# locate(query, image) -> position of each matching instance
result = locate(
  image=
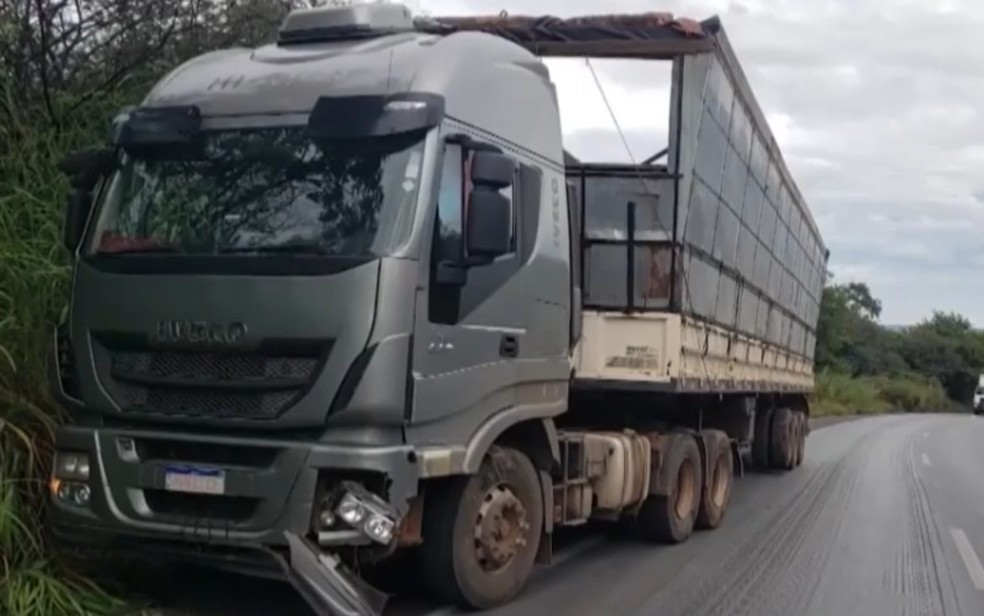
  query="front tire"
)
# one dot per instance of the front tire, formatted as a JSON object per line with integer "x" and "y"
{"x": 482, "y": 533}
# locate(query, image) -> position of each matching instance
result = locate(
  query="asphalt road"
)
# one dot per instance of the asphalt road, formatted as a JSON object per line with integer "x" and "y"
{"x": 885, "y": 517}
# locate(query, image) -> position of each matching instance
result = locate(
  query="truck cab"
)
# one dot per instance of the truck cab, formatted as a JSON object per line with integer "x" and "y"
{"x": 314, "y": 273}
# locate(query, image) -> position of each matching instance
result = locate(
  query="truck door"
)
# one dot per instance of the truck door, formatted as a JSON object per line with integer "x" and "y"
{"x": 471, "y": 322}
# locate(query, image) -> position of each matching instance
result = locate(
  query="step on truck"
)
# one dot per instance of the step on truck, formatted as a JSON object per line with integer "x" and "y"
{"x": 345, "y": 297}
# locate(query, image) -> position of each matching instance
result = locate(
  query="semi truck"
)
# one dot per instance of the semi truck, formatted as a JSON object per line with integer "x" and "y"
{"x": 345, "y": 298}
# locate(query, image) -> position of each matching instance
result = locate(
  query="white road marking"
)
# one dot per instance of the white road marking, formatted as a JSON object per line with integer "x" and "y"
{"x": 973, "y": 564}
{"x": 926, "y": 461}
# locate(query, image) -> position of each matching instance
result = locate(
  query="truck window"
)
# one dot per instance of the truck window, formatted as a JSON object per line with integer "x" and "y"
{"x": 261, "y": 190}
{"x": 449, "y": 303}
{"x": 452, "y": 207}
{"x": 448, "y": 239}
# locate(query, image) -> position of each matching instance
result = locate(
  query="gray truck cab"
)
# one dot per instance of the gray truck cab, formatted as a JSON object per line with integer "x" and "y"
{"x": 320, "y": 271}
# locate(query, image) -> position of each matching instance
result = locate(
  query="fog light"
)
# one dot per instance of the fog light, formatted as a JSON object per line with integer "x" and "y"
{"x": 351, "y": 510}
{"x": 65, "y": 491}
{"x": 379, "y": 528}
{"x": 82, "y": 495}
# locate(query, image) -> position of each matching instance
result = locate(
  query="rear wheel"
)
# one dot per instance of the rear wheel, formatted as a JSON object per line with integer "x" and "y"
{"x": 671, "y": 518}
{"x": 761, "y": 443}
{"x": 782, "y": 441}
{"x": 481, "y": 533}
{"x": 803, "y": 425}
{"x": 716, "y": 493}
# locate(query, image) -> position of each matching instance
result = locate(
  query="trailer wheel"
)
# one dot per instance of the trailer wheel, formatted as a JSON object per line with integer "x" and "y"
{"x": 671, "y": 518}
{"x": 803, "y": 425}
{"x": 782, "y": 450}
{"x": 716, "y": 493}
{"x": 761, "y": 443}
{"x": 481, "y": 533}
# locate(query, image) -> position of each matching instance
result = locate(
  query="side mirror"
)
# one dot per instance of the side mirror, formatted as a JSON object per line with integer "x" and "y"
{"x": 76, "y": 214}
{"x": 85, "y": 167}
{"x": 492, "y": 169}
{"x": 489, "y": 224}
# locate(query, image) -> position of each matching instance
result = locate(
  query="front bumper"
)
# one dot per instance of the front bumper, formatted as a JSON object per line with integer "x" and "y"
{"x": 255, "y": 527}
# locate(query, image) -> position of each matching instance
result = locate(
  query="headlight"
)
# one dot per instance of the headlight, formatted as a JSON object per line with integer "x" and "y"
{"x": 71, "y": 466}
{"x": 367, "y": 513}
{"x": 379, "y": 528}
{"x": 351, "y": 510}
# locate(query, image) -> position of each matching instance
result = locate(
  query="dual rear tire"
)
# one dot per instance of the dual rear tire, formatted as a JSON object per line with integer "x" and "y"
{"x": 780, "y": 438}
{"x": 692, "y": 502}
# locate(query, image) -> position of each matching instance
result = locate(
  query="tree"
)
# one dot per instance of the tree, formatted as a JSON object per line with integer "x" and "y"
{"x": 848, "y": 337}
{"x": 947, "y": 347}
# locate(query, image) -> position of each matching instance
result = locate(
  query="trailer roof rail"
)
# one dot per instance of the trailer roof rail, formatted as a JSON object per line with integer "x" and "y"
{"x": 644, "y": 36}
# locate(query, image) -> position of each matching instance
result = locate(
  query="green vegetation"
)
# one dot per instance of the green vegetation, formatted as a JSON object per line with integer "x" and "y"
{"x": 66, "y": 68}
{"x": 866, "y": 368}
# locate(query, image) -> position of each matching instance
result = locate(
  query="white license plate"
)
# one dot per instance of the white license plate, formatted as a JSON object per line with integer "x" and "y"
{"x": 194, "y": 480}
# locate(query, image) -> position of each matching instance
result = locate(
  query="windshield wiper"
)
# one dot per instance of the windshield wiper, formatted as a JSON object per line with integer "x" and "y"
{"x": 296, "y": 249}
{"x": 136, "y": 250}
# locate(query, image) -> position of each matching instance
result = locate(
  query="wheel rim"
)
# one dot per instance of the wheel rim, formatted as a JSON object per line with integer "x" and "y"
{"x": 719, "y": 487}
{"x": 500, "y": 529}
{"x": 685, "y": 493}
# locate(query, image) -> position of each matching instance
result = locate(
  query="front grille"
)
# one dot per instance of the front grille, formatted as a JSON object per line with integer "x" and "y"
{"x": 211, "y": 366}
{"x": 208, "y": 385}
{"x": 203, "y": 403}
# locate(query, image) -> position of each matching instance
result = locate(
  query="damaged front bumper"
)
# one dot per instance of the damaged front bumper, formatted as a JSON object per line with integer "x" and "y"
{"x": 326, "y": 584}
{"x": 268, "y": 524}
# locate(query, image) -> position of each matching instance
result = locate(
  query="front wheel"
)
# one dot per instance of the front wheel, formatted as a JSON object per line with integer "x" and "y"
{"x": 482, "y": 533}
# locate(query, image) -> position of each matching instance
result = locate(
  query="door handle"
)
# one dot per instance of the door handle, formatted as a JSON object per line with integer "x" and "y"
{"x": 509, "y": 347}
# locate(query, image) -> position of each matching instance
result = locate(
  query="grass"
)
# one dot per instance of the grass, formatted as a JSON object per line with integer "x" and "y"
{"x": 842, "y": 394}
{"x": 33, "y": 292}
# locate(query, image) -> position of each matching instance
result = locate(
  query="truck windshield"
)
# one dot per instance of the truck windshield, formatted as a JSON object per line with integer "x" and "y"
{"x": 264, "y": 191}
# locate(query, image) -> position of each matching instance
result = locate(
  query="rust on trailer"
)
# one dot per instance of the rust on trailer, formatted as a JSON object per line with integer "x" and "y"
{"x": 652, "y": 35}
{"x": 659, "y": 281}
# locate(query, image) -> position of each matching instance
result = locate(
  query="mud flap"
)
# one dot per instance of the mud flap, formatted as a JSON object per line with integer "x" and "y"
{"x": 325, "y": 583}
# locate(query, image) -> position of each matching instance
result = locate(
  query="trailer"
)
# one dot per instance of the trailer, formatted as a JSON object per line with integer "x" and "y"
{"x": 346, "y": 296}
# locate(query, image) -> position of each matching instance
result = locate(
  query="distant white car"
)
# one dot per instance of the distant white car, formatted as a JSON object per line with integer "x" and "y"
{"x": 979, "y": 397}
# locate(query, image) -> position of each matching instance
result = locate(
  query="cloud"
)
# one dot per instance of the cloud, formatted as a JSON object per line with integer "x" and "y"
{"x": 876, "y": 105}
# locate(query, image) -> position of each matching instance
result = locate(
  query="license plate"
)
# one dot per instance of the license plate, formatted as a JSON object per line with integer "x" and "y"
{"x": 194, "y": 480}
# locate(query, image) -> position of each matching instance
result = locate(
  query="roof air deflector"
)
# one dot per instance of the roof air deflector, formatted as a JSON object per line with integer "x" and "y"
{"x": 325, "y": 24}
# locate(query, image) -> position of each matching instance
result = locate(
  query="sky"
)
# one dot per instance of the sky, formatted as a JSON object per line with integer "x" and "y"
{"x": 877, "y": 105}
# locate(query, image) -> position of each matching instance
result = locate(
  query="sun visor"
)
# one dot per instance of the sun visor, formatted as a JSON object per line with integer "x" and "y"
{"x": 354, "y": 117}
{"x": 160, "y": 132}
